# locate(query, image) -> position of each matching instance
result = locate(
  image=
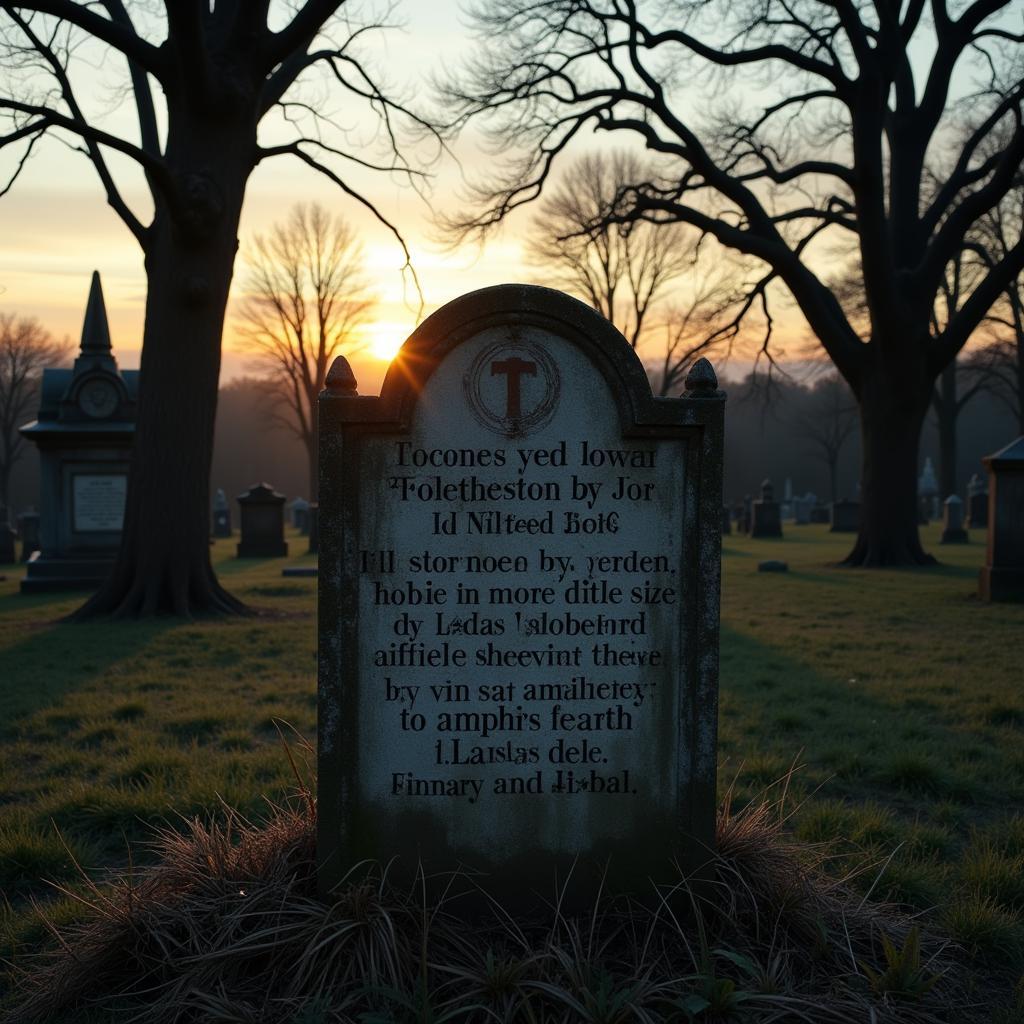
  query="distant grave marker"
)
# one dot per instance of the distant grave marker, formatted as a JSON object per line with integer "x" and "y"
{"x": 261, "y": 523}
{"x": 519, "y": 599}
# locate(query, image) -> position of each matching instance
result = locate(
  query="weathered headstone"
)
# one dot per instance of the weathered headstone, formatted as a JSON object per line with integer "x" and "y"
{"x": 977, "y": 503}
{"x": 767, "y": 517}
{"x": 261, "y": 523}
{"x": 953, "y": 531}
{"x": 221, "y": 515}
{"x": 28, "y": 528}
{"x": 299, "y": 510}
{"x": 845, "y": 516}
{"x": 518, "y": 604}
{"x": 1002, "y": 576}
{"x": 84, "y": 432}
{"x": 8, "y": 552}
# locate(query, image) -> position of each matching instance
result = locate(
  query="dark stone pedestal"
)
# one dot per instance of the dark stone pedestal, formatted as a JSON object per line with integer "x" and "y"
{"x": 47, "y": 575}
{"x": 261, "y": 523}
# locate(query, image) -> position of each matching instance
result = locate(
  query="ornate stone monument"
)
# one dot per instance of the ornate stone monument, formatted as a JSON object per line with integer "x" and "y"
{"x": 84, "y": 432}
{"x": 261, "y": 523}
{"x": 1002, "y": 576}
{"x": 518, "y": 605}
{"x": 766, "y": 518}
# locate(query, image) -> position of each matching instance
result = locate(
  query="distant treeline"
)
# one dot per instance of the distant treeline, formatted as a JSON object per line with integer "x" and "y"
{"x": 767, "y": 435}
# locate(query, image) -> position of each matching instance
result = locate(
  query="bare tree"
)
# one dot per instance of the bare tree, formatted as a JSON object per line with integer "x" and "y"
{"x": 827, "y": 144}
{"x": 306, "y": 297}
{"x": 26, "y": 349}
{"x": 827, "y": 423}
{"x": 203, "y": 78}
{"x": 621, "y": 270}
{"x": 999, "y": 365}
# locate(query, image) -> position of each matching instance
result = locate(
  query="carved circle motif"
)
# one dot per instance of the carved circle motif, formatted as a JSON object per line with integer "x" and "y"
{"x": 512, "y": 387}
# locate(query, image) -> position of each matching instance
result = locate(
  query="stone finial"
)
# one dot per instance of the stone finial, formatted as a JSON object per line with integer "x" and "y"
{"x": 340, "y": 378}
{"x": 95, "y": 329}
{"x": 701, "y": 381}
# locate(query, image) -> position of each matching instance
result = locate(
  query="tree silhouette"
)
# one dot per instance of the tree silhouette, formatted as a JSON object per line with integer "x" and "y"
{"x": 203, "y": 78}
{"x": 827, "y": 145}
{"x": 26, "y": 349}
{"x": 621, "y": 273}
{"x": 306, "y": 297}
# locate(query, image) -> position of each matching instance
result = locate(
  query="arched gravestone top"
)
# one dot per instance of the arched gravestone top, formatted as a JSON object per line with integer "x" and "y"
{"x": 518, "y": 608}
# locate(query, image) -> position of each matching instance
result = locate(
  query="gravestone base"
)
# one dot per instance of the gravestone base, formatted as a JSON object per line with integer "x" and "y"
{"x": 262, "y": 549}
{"x": 954, "y": 535}
{"x": 998, "y": 584}
{"x": 47, "y": 575}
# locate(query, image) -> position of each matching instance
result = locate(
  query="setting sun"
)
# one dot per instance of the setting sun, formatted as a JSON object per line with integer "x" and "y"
{"x": 385, "y": 339}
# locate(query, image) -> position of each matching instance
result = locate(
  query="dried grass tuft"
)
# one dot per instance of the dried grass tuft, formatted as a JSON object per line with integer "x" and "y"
{"x": 226, "y": 926}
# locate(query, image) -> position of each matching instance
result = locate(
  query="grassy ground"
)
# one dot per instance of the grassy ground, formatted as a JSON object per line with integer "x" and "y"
{"x": 898, "y": 695}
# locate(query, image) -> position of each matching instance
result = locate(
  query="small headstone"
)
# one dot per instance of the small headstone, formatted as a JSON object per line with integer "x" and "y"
{"x": 518, "y": 606}
{"x": 953, "y": 531}
{"x": 977, "y": 503}
{"x": 802, "y": 509}
{"x": 726, "y": 520}
{"x": 845, "y": 516}
{"x": 1002, "y": 576}
{"x": 8, "y": 554}
{"x": 300, "y": 570}
{"x": 299, "y": 510}
{"x": 772, "y": 565}
{"x": 261, "y": 523}
{"x": 221, "y": 515}
{"x": 767, "y": 519}
{"x": 28, "y": 527}
{"x": 820, "y": 514}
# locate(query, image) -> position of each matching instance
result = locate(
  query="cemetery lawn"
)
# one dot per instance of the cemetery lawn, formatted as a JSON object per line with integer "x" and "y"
{"x": 895, "y": 696}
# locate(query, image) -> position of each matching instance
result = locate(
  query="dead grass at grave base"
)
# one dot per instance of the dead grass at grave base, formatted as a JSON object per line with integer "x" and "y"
{"x": 227, "y": 927}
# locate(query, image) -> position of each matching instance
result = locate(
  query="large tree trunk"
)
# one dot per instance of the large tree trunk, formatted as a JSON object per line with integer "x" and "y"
{"x": 893, "y": 403}
{"x": 164, "y": 560}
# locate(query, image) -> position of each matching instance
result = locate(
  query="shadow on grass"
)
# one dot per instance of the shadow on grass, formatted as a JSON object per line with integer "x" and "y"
{"x": 55, "y": 658}
{"x": 774, "y": 708}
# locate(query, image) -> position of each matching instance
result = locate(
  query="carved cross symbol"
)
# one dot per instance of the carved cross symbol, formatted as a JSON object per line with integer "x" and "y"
{"x": 513, "y": 369}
